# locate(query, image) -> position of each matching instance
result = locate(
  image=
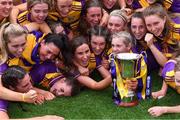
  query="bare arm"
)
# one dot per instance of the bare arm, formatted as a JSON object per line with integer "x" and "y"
{"x": 15, "y": 12}
{"x": 46, "y": 117}
{"x": 160, "y": 58}
{"x": 4, "y": 115}
{"x": 47, "y": 95}
{"x": 104, "y": 72}
{"x": 43, "y": 27}
{"x": 104, "y": 18}
{"x": 160, "y": 110}
{"x": 92, "y": 84}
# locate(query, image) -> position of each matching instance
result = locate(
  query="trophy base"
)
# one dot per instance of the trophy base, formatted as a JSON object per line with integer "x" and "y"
{"x": 128, "y": 104}
{"x": 129, "y": 101}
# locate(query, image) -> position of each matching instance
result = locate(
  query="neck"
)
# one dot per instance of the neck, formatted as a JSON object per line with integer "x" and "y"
{"x": 1, "y": 18}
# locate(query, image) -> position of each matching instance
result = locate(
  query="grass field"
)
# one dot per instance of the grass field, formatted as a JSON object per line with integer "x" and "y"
{"x": 96, "y": 105}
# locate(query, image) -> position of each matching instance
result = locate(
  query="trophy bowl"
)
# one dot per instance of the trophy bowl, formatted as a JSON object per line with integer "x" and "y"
{"x": 128, "y": 64}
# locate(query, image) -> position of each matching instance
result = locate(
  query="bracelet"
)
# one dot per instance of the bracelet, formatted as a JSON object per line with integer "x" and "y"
{"x": 23, "y": 97}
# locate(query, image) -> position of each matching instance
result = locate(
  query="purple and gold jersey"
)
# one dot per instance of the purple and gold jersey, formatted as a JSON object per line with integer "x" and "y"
{"x": 45, "y": 74}
{"x": 24, "y": 18}
{"x": 172, "y": 5}
{"x": 72, "y": 20}
{"x": 168, "y": 74}
{"x": 167, "y": 3}
{"x": 17, "y": 2}
{"x": 95, "y": 61}
{"x": 139, "y": 4}
{"x": 30, "y": 54}
{"x": 11, "y": 61}
{"x": 175, "y": 28}
{"x": 168, "y": 69}
{"x": 169, "y": 41}
{"x": 3, "y": 105}
{"x": 141, "y": 47}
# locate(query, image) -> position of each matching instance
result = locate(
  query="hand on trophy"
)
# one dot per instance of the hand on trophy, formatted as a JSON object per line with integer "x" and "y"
{"x": 132, "y": 84}
{"x": 149, "y": 38}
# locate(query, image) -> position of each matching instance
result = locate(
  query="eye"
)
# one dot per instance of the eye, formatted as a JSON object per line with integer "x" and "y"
{"x": 110, "y": 24}
{"x": 62, "y": 90}
{"x": 37, "y": 11}
{"x": 87, "y": 51}
{"x": 118, "y": 25}
{"x": 156, "y": 23}
{"x": 133, "y": 27}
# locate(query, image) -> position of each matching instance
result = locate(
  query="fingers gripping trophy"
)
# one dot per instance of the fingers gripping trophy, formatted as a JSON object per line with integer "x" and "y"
{"x": 124, "y": 68}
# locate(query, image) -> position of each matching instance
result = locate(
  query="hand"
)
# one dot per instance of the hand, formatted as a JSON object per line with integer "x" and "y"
{"x": 83, "y": 70}
{"x": 132, "y": 84}
{"x": 48, "y": 95}
{"x": 40, "y": 99}
{"x": 157, "y": 111}
{"x": 105, "y": 63}
{"x": 149, "y": 38}
{"x": 59, "y": 64}
{"x": 159, "y": 94}
{"x": 104, "y": 19}
{"x": 103, "y": 22}
{"x": 59, "y": 29}
{"x": 128, "y": 11}
{"x": 30, "y": 96}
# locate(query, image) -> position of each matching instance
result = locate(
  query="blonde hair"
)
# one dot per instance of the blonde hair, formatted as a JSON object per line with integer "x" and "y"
{"x": 31, "y": 3}
{"x": 121, "y": 14}
{"x": 128, "y": 39}
{"x": 8, "y": 30}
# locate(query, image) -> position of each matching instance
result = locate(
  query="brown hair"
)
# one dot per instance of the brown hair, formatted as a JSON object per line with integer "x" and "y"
{"x": 157, "y": 9}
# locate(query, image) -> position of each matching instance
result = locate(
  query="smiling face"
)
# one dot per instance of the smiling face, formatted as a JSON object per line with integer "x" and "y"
{"x": 93, "y": 16}
{"x": 64, "y": 7}
{"x": 60, "y": 88}
{"x": 118, "y": 45}
{"x": 39, "y": 12}
{"x": 155, "y": 24}
{"x": 16, "y": 45}
{"x": 138, "y": 28}
{"x": 109, "y": 3}
{"x": 115, "y": 24}
{"x": 5, "y": 8}
{"x": 48, "y": 51}
{"x": 98, "y": 44}
{"x": 82, "y": 55}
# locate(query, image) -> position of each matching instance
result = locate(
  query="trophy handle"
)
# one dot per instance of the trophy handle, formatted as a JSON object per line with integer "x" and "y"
{"x": 137, "y": 62}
